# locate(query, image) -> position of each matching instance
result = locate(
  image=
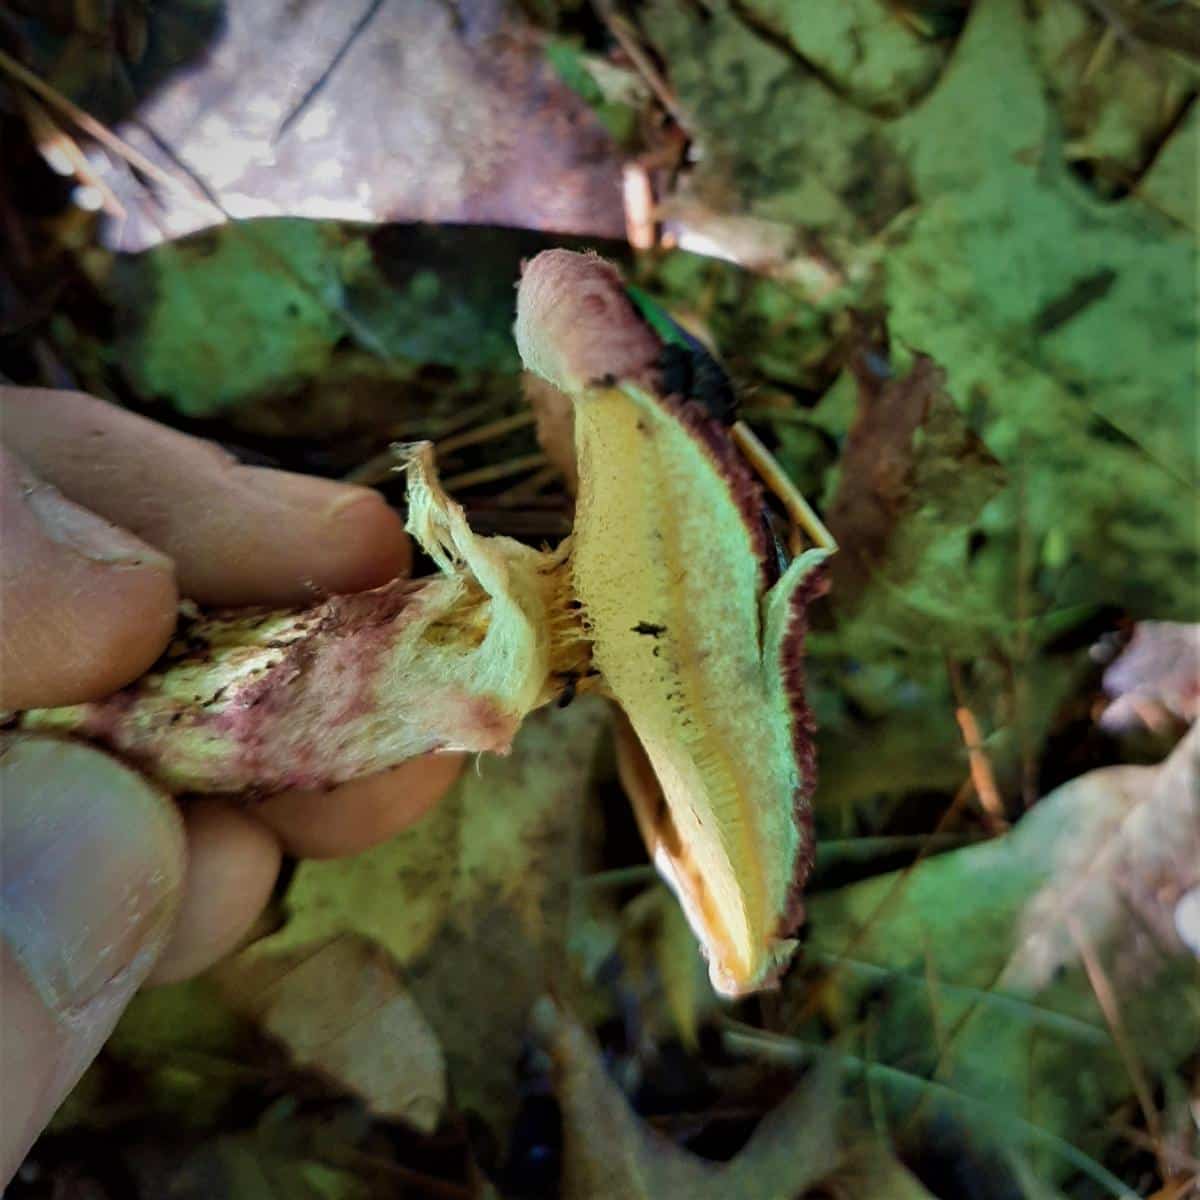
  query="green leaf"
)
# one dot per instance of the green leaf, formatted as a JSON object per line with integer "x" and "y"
{"x": 979, "y": 969}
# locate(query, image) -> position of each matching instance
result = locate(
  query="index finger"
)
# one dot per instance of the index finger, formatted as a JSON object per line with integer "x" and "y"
{"x": 239, "y": 535}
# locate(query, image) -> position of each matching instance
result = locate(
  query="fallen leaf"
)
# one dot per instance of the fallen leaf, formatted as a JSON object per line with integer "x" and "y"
{"x": 774, "y": 139}
{"x": 1169, "y": 184}
{"x": 297, "y": 328}
{"x": 863, "y": 50}
{"x": 1061, "y": 322}
{"x": 1156, "y": 678}
{"x": 341, "y": 1008}
{"x": 1117, "y": 95}
{"x": 280, "y": 117}
{"x": 472, "y": 902}
{"x": 1060, "y": 319}
{"x": 976, "y": 972}
{"x": 610, "y": 1154}
{"x": 912, "y": 474}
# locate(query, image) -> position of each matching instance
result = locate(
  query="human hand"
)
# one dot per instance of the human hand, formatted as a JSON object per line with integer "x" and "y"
{"x": 106, "y": 519}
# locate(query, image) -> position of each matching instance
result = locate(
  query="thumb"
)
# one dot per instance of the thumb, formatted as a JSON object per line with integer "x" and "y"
{"x": 91, "y": 864}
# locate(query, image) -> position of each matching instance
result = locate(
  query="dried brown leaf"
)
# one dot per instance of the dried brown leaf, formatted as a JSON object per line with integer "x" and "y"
{"x": 286, "y": 115}
{"x": 342, "y": 1008}
{"x": 909, "y": 452}
{"x": 611, "y": 1155}
{"x": 473, "y": 901}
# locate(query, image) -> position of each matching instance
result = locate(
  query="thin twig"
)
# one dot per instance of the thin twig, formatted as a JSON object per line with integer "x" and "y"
{"x": 627, "y": 40}
{"x": 982, "y": 777}
{"x": 49, "y": 138}
{"x": 484, "y": 433}
{"x": 773, "y": 475}
{"x": 1106, "y": 998}
{"x": 641, "y": 228}
{"x": 92, "y": 127}
{"x": 379, "y": 468}
{"x": 500, "y": 470}
{"x": 981, "y": 772}
{"x": 1122, "y": 32}
{"x": 466, "y": 416}
{"x": 1180, "y": 1160}
{"x": 1024, "y": 651}
{"x": 527, "y": 489}
{"x": 1100, "y": 55}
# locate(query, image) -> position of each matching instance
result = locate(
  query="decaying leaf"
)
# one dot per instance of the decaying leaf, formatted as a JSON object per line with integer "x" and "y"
{"x": 775, "y": 140}
{"x": 1119, "y": 81}
{"x": 1038, "y": 300}
{"x": 1156, "y": 680}
{"x": 371, "y": 1038}
{"x": 863, "y": 50}
{"x": 611, "y": 1155}
{"x": 263, "y": 701}
{"x": 311, "y": 330}
{"x": 693, "y": 625}
{"x": 489, "y": 137}
{"x": 471, "y": 903}
{"x": 911, "y": 473}
{"x": 1043, "y": 967}
{"x": 1060, "y": 320}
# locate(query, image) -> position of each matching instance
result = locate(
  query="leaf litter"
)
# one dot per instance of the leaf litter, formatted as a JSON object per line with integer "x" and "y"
{"x": 1031, "y": 245}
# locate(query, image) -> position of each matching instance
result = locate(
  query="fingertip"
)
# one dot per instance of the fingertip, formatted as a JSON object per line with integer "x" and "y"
{"x": 300, "y": 536}
{"x": 233, "y": 862}
{"x": 363, "y": 544}
{"x": 358, "y": 815}
{"x": 238, "y": 535}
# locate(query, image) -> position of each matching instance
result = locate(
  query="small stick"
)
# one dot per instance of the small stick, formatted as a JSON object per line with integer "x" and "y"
{"x": 484, "y": 433}
{"x": 981, "y": 771}
{"x": 465, "y": 416}
{"x": 772, "y": 474}
{"x": 625, "y": 38}
{"x": 91, "y": 126}
{"x": 1106, "y": 998}
{"x": 527, "y": 488}
{"x": 50, "y": 139}
{"x": 638, "y": 194}
{"x": 501, "y": 470}
{"x": 378, "y": 468}
{"x": 982, "y": 777}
